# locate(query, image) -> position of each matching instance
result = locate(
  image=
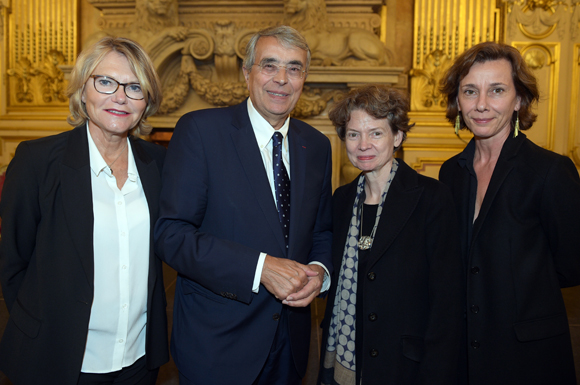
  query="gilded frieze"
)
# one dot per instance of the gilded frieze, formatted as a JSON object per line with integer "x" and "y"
{"x": 42, "y": 44}
{"x": 443, "y": 30}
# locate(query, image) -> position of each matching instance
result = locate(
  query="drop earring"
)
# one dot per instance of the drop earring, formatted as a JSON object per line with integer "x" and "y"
{"x": 457, "y": 124}
{"x": 517, "y": 125}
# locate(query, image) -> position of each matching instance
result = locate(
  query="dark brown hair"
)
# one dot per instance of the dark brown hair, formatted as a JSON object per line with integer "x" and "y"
{"x": 523, "y": 78}
{"x": 377, "y": 100}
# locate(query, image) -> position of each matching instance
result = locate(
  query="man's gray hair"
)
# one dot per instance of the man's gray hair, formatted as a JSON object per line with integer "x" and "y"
{"x": 288, "y": 37}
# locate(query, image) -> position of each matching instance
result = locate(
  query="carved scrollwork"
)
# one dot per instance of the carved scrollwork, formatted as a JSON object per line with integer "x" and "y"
{"x": 52, "y": 86}
{"x": 217, "y": 94}
{"x": 23, "y": 72}
{"x": 435, "y": 65}
{"x": 313, "y": 101}
{"x": 53, "y": 77}
{"x": 535, "y": 59}
{"x": 242, "y": 40}
{"x": 537, "y": 19}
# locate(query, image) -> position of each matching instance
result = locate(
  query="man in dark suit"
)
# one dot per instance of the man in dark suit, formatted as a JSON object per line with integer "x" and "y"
{"x": 247, "y": 274}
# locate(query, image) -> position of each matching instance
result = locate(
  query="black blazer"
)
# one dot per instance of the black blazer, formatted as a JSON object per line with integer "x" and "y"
{"x": 412, "y": 288}
{"x": 525, "y": 246}
{"x": 46, "y": 258}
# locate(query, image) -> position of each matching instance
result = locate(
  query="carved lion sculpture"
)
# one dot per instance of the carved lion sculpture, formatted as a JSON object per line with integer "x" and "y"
{"x": 333, "y": 46}
{"x": 156, "y": 15}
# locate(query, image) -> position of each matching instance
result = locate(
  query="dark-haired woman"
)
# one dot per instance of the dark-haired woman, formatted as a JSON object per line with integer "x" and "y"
{"x": 519, "y": 210}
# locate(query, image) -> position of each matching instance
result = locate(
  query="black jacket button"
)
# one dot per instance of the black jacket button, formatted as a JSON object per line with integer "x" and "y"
{"x": 474, "y": 309}
{"x": 372, "y": 317}
{"x": 475, "y": 270}
{"x": 475, "y": 344}
{"x": 372, "y": 276}
{"x": 276, "y": 317}
{"x": 374, "y": 352}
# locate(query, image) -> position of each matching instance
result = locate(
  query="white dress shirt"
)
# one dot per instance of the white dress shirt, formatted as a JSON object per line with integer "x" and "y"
{"x": 117, "y": 325}
{"x": 264, "y": 132}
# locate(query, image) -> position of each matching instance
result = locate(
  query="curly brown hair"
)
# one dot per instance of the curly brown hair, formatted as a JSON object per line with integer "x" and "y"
{"x": 377, "y": 100}
{"x": 524, "y": 80}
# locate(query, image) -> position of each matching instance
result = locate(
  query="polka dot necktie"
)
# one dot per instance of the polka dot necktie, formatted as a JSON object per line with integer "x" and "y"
{"x": 281, "y": 185}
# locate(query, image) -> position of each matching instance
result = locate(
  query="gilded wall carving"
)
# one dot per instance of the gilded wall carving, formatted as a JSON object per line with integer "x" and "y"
{"x": 42, "y": 41}
{"x": 444, "y": 29}
{"x": 197, "y": 48}
{"x": 205, "y": 55}
{"x": 547, "y": 33}
{"x": 348, "y": 46}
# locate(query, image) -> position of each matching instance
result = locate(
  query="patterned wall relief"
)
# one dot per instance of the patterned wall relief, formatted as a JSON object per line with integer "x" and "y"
{"x": 199, "y": 55}
{"x": 443, "y": 30}
{"x": 41, "y": 46}
{"x": 538, "y": 19}
{"x": 544, "y": 59}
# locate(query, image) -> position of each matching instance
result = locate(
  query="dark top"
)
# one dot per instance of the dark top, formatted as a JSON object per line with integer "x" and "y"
{"x": 521, "y": 250}
{"x": 47, "y": 258}
{"x": 409, "y": 283}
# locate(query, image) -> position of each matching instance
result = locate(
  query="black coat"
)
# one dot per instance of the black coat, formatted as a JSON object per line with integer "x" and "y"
{"x": 412, "y": 291}
{"x": 525, "y": 246}
{"x": 46, "y": 258}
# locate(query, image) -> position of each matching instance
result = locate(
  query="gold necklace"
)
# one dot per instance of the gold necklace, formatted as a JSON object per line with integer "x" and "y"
{"x": 117, "y": 158}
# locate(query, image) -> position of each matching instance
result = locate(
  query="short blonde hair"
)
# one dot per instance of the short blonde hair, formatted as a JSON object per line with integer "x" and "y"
{"x": 140, "y": 64}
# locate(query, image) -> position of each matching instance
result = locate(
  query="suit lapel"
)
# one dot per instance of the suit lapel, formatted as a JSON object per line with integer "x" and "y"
{"x": 77, "y": 196}
{"x": 246, "y": 146}
{"x": 297, "y": 179}
{"x": 503, "y": 167}
{"x": 151, "y": 182}
{"x": 400, "y": 203}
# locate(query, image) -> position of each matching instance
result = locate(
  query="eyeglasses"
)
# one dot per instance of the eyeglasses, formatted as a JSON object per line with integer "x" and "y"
{"x": 107, "y": 85}
{"x": 293, "y": 71}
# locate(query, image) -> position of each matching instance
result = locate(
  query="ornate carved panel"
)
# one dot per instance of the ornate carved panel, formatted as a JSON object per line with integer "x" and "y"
{"x": 544, "y": 59}
{"x": 444, "y": 29}
{"x": 41, "y": 44}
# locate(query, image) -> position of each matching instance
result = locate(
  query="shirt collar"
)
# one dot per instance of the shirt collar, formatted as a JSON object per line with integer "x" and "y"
{"x": 99, "y": 165}
{"x": 262, "y": 129}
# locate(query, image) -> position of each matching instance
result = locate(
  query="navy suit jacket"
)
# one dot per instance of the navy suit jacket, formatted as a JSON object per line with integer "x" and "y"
{"x": 217, "y": 214}
{"x": 47, "y": 259}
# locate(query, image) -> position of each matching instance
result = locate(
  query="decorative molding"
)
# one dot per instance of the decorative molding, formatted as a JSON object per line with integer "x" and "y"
{"x": 426, "y": 90}
{"x": 42, "y": 40}
{"x": 442, "y": 32}
{"x": 545, "y": 57}
{"x": 538, "y": 19}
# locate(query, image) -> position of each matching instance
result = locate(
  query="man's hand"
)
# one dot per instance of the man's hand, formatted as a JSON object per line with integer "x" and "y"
{"x": 303, "y": 297}
{"x": 283, "y": 277}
